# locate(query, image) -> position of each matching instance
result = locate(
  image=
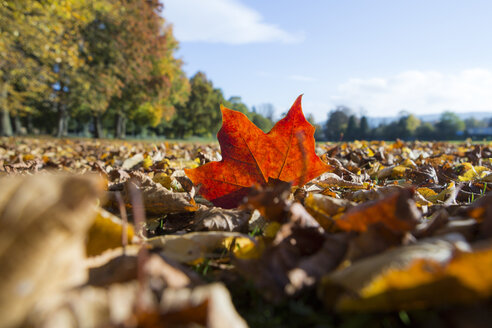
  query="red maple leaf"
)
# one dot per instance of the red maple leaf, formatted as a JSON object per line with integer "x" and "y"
{"x": 249, "y": 156}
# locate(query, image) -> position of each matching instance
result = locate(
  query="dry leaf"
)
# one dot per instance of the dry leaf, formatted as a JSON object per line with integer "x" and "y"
{"x": 253, "y": 157}
{"x": 43, "y": 222}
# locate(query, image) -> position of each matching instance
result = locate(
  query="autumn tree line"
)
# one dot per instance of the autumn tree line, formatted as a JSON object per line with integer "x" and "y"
{"x": 343, "y": 125}
{"x": 100, "y": 67}
{"x": 108, "y": 68}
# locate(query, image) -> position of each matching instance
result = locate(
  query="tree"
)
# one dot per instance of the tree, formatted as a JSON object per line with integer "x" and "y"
{"x": 425, "y": 131}
{"x": 29, "y": 34}
{"x": 472, "y": 122}
{"x": 352, "y": 132}
{"x": 267, "y": 110}
{"x": 448, "y": 126}
{"x": 364, "y": 130}
{"x": 262, "y": 122}
{"x": 236, "y": 103}
{"x": 153, "y": 83}
{"x": 318, "y": 132}
{"x": 407, "y": 125}
{"x": 200, "y": 116}
{"x": 336, "y": 124}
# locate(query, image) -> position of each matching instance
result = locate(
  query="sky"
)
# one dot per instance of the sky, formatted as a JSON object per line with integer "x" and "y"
{"x": 376, "y": 57}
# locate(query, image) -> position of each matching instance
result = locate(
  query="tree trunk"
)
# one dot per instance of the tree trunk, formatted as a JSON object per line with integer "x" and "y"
{"x": 5, "y": 126}
{"x": 62, "y": 121}
{"x": 97, "y": 126}
{"x": 29, "y": 125}
{"x": 120, "y": 126}
{"x": 18, "y": 130}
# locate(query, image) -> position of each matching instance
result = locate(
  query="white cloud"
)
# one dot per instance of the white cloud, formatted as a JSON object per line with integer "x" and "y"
{"x": 222, "y": 21}
{"x": 302, "y": 78}
{"x": 419, "y": 92}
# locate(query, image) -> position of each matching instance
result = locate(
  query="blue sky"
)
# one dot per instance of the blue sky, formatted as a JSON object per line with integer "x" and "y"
{"x": 377, "y": 57}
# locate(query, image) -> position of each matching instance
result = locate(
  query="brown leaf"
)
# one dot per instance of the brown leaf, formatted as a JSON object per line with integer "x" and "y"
{"x": 298, "y": 256}
{"x": 357, "y": 288}
{"x": 157, "y": 199}
{"x": 43, "y": 223}
{"x": 323, "y": 208}
{"x": 220, "y": 219}
{"x": 481, "y": 210}
{"x": 193, "y": 246}
{"x": 397, "y": 211}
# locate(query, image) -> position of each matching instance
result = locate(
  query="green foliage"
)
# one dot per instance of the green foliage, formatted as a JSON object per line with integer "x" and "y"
{"x": 201, "y": 116}
{"x": 343, "y": 126}
{"x": 85, "y": 58}
{"x": 353, "y": 127}
{"x": 336, "y": 125}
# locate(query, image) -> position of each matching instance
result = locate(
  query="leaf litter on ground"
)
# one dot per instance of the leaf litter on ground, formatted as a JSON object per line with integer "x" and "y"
{"x": 395, "y": 233}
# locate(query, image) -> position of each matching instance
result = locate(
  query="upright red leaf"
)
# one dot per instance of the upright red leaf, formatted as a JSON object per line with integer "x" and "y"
{"x": 249, "y": 156}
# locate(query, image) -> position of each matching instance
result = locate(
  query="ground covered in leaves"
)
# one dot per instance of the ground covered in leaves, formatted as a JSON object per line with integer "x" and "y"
{"x": 114, "y": 234}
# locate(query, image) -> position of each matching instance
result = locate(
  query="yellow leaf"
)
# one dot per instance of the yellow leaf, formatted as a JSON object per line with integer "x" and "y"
{"x": 245, "y": 248}
{"x": 398, "y": 171}
{"x": 106, "y": 233}
{"x": 472, "y": 172}
{"x": 163, "y": 179}
{"x": 271, "y": 229}
{"x": 28, "y": 157}
{"x": 147, "y": 162}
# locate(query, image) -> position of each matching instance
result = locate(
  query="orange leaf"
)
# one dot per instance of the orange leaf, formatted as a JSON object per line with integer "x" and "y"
{"x": 397, "y": 211}
{"x": 249, "y": 156}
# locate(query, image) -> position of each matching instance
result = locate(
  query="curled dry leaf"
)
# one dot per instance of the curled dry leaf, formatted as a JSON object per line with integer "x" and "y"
{"x": 207, "y": 306}
{"x": 323, "y": 208}
{"x": 344, "y": 287}
{"x": 43, "y": 222}
{"x": 118, "y": 266}
{"x": 443, "y": 276}
{"x": 157, "y": 199}
{"x": 252, "y": 157}
{"x": 123, "y": 302}
{"x": 220, "y": 219}
{"x": 133, "y": 161}
{"x": 397, "y": 211}
{"x": 328, "y": 180}
{"x": 192, "y": 246}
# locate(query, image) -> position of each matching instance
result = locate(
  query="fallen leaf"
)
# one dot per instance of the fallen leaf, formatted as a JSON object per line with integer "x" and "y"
{"x": 324, "y": 208}
{"x": 43, "y": 222}
{"x": 157, "y": 199}
{"x": 252, "y": 157}
{"x": 481, "y": 210}
{"x": 106, "y": 232}
{"x": 298, "y": 256}
{"x": 220, "y": 219}
{"x": 364, "y": 285}
{"x": 133, "y": 161}
{"x": 192, "y": 246}
{"x": 206, "y": 306}
{"x": 397, "y": 211}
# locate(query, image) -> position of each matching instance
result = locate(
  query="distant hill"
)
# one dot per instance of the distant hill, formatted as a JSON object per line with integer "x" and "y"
{"x": 375, "y": 121}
